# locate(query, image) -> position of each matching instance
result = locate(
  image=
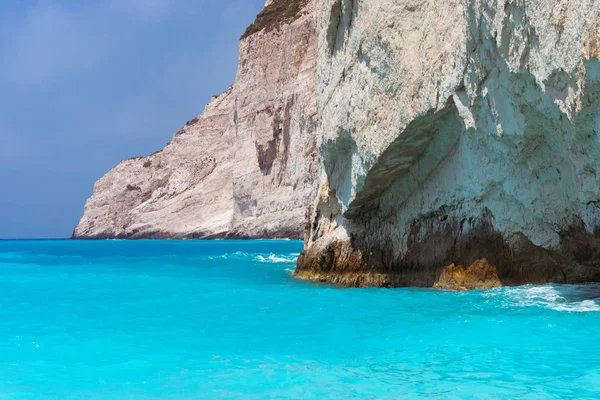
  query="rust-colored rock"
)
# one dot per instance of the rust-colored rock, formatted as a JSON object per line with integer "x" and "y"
{"x": 480, "y": 275}
{"x": 333, "y": 259}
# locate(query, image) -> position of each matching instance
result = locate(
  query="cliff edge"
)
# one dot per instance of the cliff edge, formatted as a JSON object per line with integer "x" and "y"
{"x": 453, "y": 131}
{"x": 246, "y": 167}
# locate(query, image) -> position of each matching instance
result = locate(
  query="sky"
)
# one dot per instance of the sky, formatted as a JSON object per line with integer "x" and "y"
{"x": 87, "y": 83}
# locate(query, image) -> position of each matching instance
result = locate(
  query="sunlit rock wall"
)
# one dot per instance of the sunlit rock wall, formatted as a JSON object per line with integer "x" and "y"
{"x": 453, "y": 131}
{"x": 246, "y": 167}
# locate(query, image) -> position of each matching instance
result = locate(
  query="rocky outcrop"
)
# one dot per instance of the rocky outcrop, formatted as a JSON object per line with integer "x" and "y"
{"x": 453, "y": 131}
{"x": 481, "y": 275}
{"x": 440, "y": 132}
{"x": 246, "y": 167}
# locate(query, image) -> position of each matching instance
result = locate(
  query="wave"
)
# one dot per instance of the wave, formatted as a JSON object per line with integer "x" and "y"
{"x": 273, "y": 258}
{"x": 564, "y": 298}
{"x": 263, "y": 258}
{"x": 238, "y": 255}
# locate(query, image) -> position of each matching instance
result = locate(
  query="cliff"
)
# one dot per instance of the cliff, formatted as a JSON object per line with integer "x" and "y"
{"x": 453, "y": 131}
{"x": 246, "y": 167}
{"x": 418, "y": 137}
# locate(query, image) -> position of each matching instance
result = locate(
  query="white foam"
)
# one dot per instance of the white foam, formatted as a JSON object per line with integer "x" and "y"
{"x": 564, "y": 298}
{"x": 584, "y": 306}
{"x": 238, "y": 255}
{"x": 272, "y": 258}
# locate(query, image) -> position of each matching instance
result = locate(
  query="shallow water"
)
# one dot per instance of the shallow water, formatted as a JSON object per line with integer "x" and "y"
{"x": 190, "y": 320}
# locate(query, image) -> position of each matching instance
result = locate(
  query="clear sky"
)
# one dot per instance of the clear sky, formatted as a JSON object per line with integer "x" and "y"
{"x": 86, "y": 83}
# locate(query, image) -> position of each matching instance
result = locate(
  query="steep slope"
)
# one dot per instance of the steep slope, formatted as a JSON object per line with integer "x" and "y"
{"x": 453, "y": 131}
{"x": 246, "y": 167}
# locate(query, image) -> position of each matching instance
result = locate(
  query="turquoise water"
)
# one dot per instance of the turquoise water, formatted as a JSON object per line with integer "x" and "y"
{"x": 202, "y": 320}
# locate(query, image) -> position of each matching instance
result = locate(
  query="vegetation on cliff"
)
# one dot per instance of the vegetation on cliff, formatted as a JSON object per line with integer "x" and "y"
{"x": 275, "y": 15}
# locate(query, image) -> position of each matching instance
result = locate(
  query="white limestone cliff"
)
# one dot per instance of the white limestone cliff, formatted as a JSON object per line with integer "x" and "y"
{"x": 436, "y": 133}
{"x": 453, "y": 131}
{"x": 246, "y": 167}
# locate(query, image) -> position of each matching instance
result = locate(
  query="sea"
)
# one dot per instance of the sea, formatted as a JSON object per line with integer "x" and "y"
{"x": 228, "y": 320}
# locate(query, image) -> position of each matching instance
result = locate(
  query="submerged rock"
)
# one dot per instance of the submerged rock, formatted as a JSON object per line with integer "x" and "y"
{"x": 480, "y": 275}
{"x": 246, "y": 167}
{"x": 474, "y": 135}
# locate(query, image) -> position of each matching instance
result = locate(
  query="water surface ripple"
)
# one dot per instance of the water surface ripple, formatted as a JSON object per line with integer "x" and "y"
{"x": 202, "y": 320}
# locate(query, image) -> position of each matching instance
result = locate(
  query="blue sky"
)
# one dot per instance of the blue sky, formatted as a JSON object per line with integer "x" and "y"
{"x": 84, "y": 84}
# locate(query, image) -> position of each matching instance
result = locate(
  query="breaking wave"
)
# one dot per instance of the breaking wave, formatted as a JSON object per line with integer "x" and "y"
{"x": 280, "y": 258}
{"x": 263, "y": 258}
{"x": 566, "y": 298}
{"x": 238, "y": 255}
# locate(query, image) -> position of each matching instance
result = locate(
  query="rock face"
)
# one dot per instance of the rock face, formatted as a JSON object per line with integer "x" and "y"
{"x": 480, "y": 275}
{"x": 453, "y": 131}
{"x": 246, "y": 167}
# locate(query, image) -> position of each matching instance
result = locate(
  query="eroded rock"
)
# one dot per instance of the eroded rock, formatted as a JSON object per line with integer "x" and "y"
{"x": 480, "y": 275}
{"x": 474, "y": 135}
